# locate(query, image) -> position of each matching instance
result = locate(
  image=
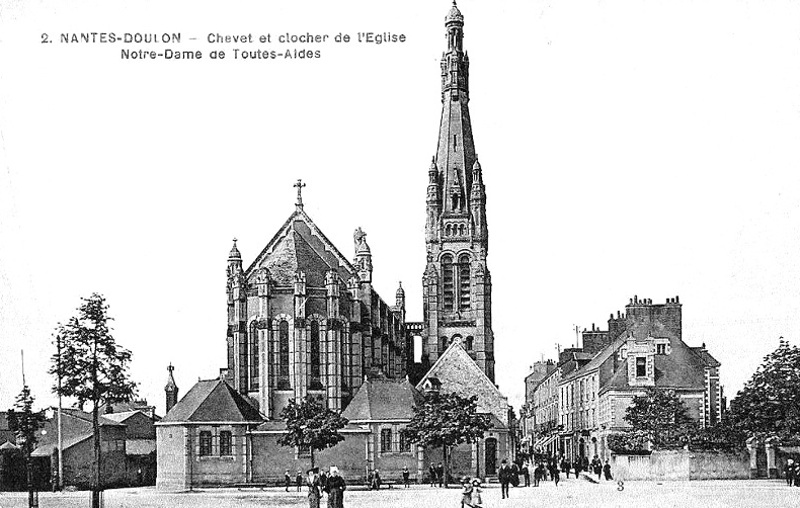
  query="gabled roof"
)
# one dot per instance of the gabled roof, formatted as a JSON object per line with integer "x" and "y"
{"x": 212, "y": 401}
{"x": 300, "y": 245}
{"x": 598, "y": 359}
{"x": 706, "y": 356}
{"x": 459, "y": 373}
{"x": 121, "y": 417}
{"x": 87, "y": 417}
{"x": 383, "y": 399}
{"x": 46, "y": 449}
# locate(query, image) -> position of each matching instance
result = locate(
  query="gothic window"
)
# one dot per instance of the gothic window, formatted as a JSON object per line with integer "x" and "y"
{"x": 448, "y": 276}
{"x": 448, "y": 230}
{"x": 205, "y": 443}
{"x": 641, "y": 366}
{"x": 386, "y": 440}
{"x": 314, "y": 382}
{"x": 225, "y": 443}
{"x": 253, "y": 349}
{"x": 442, "y": 344}
{"x": 463, "y": 281}
{"x": 244, "y": 357}
{"x": 283, "y": 356}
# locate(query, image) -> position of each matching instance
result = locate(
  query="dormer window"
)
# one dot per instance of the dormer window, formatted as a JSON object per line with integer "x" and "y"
{"x": 661, "y": 349}
{"x": 641, "y": 366}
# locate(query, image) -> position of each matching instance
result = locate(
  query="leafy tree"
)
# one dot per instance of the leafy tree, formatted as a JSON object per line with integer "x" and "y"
{"x": 446, "y": 420}
{"x": 310, "y": 425}
{"x": 661, "y": 417}
{"x": 769, "y": 403}
{"x": 92, "y": 368}
{"x": 25, "y": 422}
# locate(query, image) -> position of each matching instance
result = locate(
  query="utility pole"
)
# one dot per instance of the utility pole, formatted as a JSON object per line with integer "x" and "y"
{"x": 60, "y": 480}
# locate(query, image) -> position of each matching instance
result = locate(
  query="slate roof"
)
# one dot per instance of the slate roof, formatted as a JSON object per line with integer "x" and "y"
{"x": 212, "y": 401}
{"x": 87, "y": 417}
{"x": 120, "y": 417}
{"x": 706, "y": 356}
{"x": 46, "y": 450}
{"x": 300, "y": 245}
{"x": 383, "y": 399}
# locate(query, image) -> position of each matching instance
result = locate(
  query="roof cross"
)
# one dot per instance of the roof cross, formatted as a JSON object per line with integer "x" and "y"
{"x": 299, "y": 186}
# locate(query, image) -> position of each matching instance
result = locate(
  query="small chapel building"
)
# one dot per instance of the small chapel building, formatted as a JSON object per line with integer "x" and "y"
{"x": 304, "y": 320}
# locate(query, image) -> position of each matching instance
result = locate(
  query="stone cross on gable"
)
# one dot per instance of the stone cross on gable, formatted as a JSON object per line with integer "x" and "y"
{"x": 299, "y": 186}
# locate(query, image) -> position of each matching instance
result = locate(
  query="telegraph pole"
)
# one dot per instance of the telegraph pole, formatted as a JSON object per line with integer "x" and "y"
{"x": 60, "y": 484}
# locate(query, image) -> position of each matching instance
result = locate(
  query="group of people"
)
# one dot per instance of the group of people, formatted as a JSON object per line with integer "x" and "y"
{"x": 791, "y": 472}
{"x": 436, "y": 474}
{"x": 331, "y": 483}
{"x": 471, "y": 493}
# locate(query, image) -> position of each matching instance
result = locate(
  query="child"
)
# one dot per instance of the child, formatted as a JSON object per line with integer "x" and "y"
{"x": 477, "y": 502}
{"x": 466, "y": 494}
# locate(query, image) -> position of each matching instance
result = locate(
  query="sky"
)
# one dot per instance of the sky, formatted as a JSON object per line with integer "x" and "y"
{"x": 628, "y": 148}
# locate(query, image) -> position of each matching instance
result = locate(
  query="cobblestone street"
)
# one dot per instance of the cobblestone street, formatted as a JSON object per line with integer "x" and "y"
{"x": 575, "y": 494}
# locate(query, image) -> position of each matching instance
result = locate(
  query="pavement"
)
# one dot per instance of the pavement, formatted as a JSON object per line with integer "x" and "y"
{"x": 570, "y": 493}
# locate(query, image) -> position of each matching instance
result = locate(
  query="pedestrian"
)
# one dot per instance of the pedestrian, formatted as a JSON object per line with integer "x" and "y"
{"x": 432, "y": 473}
{"x": 440, "y": 474}
{"x": 537, "y": 474}
{"x": 797, "y": 474}
{"x": 477, "y": 502}
{"x": 406, "y": 476}
{"x": 504, "y": 475}
{"x": 466, "y": 492}
{"x": 298, "y": 480}
{"x": 287, "y": 480}
{"x": 514, "y": 474}
{"x": 335, "y": 489}
{"x": 376, "y": 480}
{"x": 597, "y": 466}
{"x": 788, "y": 472}
{"x": 565, "y": 466}
{"x": 314, "y": 488}
{"x": 607, "y": 471}
{"x": 554, "y": 473}
{"x": 526, "y": 475}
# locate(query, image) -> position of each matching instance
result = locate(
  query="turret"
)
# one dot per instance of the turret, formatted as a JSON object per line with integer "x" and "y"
{"x": 363, "y": 259}
{"x": 171, "y": 389}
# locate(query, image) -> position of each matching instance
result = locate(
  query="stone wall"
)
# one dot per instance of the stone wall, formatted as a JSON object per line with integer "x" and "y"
{"x": 681, "y": 465}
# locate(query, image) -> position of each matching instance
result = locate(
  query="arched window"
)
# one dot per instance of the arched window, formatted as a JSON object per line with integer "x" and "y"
{"x": 253, "y": 350}
{"x": 225, "y": 443}
{"x": 314, "y": 382}
{"x": 283, "y": 356}
{"x": 442, "y": 344}
{"x": 448, "y": 282}
{"x": 463, "y": 282}
{"x": 447, "y": 230}
{"x": 386, "y": 440}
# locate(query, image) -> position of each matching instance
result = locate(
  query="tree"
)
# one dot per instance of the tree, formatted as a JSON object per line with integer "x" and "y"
{"x": 25, "y": 422}
{"x": 661, "y": 417}
{"x": 446, "y": 420}
{"x": 769, "y": 403}
{"x": 310, "y": 425}
{"x": 92, "y": 368}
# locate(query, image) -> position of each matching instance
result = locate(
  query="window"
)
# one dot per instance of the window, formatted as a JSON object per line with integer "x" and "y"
{"x": 386, "y": 440}
{"x": 303, "y": 452}
{"x": 641, "y": 366}
{"x": 253, "y": 356}
{"x": 464, "y": 283}
{"x": 205, "y": 443}
{"x": 405, "y": 444}
{"x": 225, "y": 443}
{"x": 244, "y": 358}
{"x": 661, "y": 349}
{"x": 283, "y": 356}
{"x": 448, "y": 282}
{"x": 314, "y": 382}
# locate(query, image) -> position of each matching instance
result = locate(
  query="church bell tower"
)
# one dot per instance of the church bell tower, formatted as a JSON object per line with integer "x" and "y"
{"x": 456, "y": 284}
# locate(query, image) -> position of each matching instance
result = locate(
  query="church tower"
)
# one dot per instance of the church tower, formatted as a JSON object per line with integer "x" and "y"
{"x": 456, "y": 284}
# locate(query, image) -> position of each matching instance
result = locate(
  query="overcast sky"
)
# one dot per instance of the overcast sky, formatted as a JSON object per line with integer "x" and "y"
{"x": 628, "y": 148}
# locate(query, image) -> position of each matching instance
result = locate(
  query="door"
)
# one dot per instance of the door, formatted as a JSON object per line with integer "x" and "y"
{"x": 491, "y": 456}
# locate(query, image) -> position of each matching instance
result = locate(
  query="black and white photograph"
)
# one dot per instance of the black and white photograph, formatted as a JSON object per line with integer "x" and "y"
{"x": 365, "y": 253}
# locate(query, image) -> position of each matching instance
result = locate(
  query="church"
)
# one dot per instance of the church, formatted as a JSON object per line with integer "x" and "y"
{"x": 304, "y": 319}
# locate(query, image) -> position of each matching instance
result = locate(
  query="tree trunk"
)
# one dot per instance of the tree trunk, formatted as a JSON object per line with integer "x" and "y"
{"x": 312, "y": 457}
{"x": 446, "y": 464}
{"x": 29, "y": 472}
{"x": 96, "y": 430}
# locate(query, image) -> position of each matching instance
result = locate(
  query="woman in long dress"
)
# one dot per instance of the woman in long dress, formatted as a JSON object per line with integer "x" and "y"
{"x": 335, "y": 489}
{"x": 314, "y": 493}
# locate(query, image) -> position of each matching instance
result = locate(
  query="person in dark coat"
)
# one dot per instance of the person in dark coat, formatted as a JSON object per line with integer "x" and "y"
{"x": 406, "y": 476}
{"x": 788, "y": 472}
{"x": 440, "y": 474}
{"x": 514, "y": 474}
{"x": 287, "y": 480}
{"x": 526, "y": 475}
{"x": 597, "y": 466}
{"x": 298, "y": 480}
{"x": 554, "y": 474}
{"x": 375, "y": 480}
{"x": 537, "y": 474}
{"x": 335, "y": 489}
{"x": 432, "y": 472}
{"x": 607, "y": 471}
{"x": 314, "y": 488}
{"x": 565, "y": 467}
{"x": 504, "y": 475}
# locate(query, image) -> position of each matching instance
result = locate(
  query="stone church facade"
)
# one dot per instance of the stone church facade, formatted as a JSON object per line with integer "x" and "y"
{"x": 303, "y": 320}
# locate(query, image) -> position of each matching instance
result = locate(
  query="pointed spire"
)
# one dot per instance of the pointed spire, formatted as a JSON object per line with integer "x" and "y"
{"x": 171, "y": 390}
